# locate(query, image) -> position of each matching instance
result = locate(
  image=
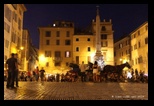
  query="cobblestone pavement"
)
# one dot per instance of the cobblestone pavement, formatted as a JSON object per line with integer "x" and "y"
{"x": 77, "y": 91}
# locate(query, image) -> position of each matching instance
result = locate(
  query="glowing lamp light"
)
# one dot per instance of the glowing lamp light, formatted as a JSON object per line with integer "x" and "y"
{"x": 21, "y": 48}
{"x": 42, "y": 58}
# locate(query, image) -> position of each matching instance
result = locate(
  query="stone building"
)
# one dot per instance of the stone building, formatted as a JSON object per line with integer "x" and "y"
{"x": 60, "y": 44}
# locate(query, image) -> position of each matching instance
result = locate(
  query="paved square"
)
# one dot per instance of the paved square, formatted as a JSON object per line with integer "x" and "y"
{"x": 77, "y": 91}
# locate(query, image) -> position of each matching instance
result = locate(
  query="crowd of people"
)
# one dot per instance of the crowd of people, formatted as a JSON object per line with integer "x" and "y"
{"x": 87, "y": 73}
{"x": 35, "y": 75}
{"x": 92, "y": 73}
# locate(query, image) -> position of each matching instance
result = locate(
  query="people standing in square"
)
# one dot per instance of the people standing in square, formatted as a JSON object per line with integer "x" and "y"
{"x": 11, "y": 66}
{"x": 83, "y": 71}
{"x": 95, "y": 71}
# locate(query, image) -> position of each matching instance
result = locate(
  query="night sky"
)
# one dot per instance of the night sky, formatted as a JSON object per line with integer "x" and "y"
{"x": 125, "y": 17}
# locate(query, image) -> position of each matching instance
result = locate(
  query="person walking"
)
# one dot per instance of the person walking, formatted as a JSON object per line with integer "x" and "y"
{"x": 83, "y": 71}
{"x": 11, "y": 66}
{"x": 17, "y": 70}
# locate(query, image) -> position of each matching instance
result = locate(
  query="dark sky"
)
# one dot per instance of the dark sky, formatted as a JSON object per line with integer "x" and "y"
{"x": 125, "y": 17}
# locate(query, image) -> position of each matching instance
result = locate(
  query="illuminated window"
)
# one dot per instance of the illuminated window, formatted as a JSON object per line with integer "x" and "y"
{"x": 67, "y": 54}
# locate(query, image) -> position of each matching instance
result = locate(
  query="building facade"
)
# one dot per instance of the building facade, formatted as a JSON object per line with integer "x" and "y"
{"x": 83, "y": 48}
{"x": 13, "y": 26}
{"x": 122, "y": 51}
{"x": 56, "y": 44}
{"x": 133, "y": 48}
{"x": 139, "y": 48}
{"x": 60, "y": 45}
{"x": 8, "y": 8}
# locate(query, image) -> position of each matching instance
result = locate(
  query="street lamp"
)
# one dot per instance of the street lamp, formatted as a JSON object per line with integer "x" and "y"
{"x": 121, "y": 60}
{"x": 21, "y": 48}
{"x": 42, "y": 60}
